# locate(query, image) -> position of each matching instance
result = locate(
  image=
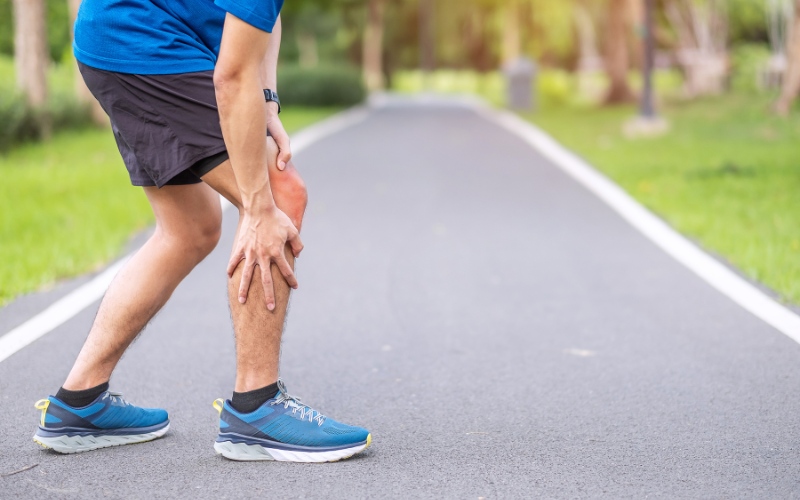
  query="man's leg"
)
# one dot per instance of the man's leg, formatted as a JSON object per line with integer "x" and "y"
{"x": 262, "y": 421}
{"x": 258, "y": 330}
{"x": 188, "y": 222}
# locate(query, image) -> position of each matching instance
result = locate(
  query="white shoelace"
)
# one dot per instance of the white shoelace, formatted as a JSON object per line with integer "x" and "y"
{"x": 294, "y": 403}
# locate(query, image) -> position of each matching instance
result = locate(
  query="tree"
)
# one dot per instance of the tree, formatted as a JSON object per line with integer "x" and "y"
{"x": 702, "y": 30}
{"x": 31, "y": 51}
{"x": 427, "y": 35}
{"x": 617, "y": 56}
{"x": 791, "y": 82}
{"x": 373, "y": 45}
{"x": 512, "y": 41}
{"x": 85, "y": 97}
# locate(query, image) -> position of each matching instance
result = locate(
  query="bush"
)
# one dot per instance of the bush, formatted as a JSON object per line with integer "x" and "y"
{"x": 16, "y": 120}
{"x": 65, "y": 111}
{"x": 320, "y": 86}
{"x": 20, "y": 123}
{"x": 555, "y": 87}
{"x": 749, "y": 62}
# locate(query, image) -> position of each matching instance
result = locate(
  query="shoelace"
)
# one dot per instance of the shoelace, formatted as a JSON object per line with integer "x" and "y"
{"x": 116, "y": 398}
{"x": 294, "y": 402}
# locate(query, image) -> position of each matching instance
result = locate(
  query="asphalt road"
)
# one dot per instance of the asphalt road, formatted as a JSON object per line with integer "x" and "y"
{"x": 501, "y": 332}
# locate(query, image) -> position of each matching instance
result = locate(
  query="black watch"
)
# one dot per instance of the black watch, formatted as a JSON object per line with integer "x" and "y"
{"x": 271, "y": 96}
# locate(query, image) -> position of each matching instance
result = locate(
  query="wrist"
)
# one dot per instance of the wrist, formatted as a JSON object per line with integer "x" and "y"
{"x": 271, "y": 97}
{"x": 258, "y": 202}
{"x": 259, "y": 207}
{"x": 272, "y": 109}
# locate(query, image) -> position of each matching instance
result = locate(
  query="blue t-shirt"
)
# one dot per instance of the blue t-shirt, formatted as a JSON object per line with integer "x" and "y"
{"x": 158, "y": 37}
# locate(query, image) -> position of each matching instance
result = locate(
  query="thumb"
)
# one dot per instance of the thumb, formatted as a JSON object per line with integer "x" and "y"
{"x": 284, "y": 152}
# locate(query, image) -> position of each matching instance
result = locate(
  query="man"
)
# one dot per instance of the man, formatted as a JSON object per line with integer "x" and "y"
{"x": 190, "y": 89}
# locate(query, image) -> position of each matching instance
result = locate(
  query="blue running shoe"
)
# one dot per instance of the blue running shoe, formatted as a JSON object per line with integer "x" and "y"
{"x": 108, "y": 421}
{"x": 286, "y": 430}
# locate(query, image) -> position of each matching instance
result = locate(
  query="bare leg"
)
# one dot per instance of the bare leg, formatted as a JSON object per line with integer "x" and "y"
{"x": 188, "y": 220}
{"x": 258, "y": 330}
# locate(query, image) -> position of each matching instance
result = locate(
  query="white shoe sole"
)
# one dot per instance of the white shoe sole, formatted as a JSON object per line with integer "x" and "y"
{"x": 78, "y": 444}
{"x": 252, "y": 452}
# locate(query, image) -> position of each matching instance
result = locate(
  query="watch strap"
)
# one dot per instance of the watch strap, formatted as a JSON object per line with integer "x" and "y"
{"x": 272, "y": 96}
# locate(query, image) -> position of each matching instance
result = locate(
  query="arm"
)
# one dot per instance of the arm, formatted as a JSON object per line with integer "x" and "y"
{"x": 264, "y": 230}
{"x": 269, "y": 80}
{"x": 269, "y": 67}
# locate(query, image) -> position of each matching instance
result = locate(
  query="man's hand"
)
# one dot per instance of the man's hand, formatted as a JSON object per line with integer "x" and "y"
{"x": 261, "y": 241}
{"x": 276, "y": 130}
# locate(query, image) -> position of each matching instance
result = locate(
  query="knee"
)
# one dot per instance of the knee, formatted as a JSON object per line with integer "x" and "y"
{"x": 196, "y": 240}
{"x": 207, "y": 235}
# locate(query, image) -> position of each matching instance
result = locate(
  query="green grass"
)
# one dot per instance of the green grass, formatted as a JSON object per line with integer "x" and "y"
{"x": 552, "y": 86}
{"x": 727, "y": 175}
{"x": 67, "y": 206}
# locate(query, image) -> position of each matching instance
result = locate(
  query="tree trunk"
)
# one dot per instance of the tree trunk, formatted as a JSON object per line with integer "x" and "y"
{"x": 99, "y": 116}
{"x": 427, "y": 35}
{"x": 373, "y": 46}
{"x": 617, "y": 55}
{"x": 512, "y": 42}
{"x": 475, "y": 39}
{"x": 30, "y": 50}
{"x": 791, "y": 82}
{"x": 702, "y": 33}
{"x": 636, "y": 30}
{"x": 307, "y": 47}
{"x": 589, "y": 55}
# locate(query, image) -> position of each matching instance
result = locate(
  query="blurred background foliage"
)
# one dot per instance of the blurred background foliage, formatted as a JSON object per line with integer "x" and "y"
{"x": 466, "y": 35}
{"x": 326, "y": 43}
{"x": 727, "y": 73}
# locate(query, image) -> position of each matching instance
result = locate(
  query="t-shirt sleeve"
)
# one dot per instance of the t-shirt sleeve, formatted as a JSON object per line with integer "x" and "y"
{"x": 261, "y": 14}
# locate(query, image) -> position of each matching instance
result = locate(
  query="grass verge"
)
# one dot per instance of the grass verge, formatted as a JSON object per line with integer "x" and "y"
{"x": 727, "y": 175}
{"x": 67, "y": 206}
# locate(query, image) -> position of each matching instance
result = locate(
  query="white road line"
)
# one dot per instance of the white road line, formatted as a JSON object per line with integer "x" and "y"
{"x": 684, "y": 251}
{"x": 82, "y": 297}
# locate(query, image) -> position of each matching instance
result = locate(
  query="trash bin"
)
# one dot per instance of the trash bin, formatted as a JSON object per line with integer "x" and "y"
{"x": 520, "y": 80}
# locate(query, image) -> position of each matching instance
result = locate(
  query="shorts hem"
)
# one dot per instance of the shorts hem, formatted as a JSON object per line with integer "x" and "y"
{"x": 188, "y": 165}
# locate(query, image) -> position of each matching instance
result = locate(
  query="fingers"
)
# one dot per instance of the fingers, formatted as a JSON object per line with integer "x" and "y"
{"x": 286, "y": 270}
{"x": 236, "y": 257}
{"x": 272, "y": 154}
{"x": 297, "y": 244}
{"x": 269, "y": 289}
{"x": 247, "y": 275}
{"x": 283, "y": 158}
{"x": 284, "y": 148}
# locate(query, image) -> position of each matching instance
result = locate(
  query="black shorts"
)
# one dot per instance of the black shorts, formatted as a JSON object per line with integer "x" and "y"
{"x": 166, "y": 126}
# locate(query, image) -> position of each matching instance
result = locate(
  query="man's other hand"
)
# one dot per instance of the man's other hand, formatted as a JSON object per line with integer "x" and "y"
{"x": 276, "y": 130}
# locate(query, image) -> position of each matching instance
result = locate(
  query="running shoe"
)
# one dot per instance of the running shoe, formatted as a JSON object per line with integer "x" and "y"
{"x": 108, "y": 421}
{"x": 286, "y": 430}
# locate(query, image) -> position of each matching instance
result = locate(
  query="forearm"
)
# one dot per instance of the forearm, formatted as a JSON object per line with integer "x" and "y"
{"x": 269, "y": 67}
{"x": 243, "y": 116}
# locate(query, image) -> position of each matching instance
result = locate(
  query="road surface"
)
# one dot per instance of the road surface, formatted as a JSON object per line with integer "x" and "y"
{"x": 501, "y": 332}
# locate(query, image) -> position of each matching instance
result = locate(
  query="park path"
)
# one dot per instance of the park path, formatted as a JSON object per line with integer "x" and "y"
{"x": 501, "y": 331}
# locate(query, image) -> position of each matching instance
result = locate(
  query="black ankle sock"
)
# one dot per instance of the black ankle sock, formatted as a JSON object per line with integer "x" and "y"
{"x": 79, "y": 399}
{"x": 248, "y": 402}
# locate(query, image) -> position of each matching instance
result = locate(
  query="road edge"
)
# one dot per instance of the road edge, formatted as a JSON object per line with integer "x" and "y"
{"x": 67, "y": 307}
{"x": 709, "y": 269}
